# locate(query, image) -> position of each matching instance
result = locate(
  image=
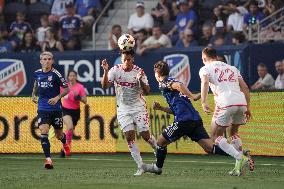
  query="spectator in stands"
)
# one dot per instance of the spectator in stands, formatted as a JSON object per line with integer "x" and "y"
{"x": 206, "y": 34}
{"x": 70, "y": 28}
{"x": 41, "y": 31}
{"x": 161, "y": 13}
{"x": 140, "y": 20}
{"x": 238, "y": 38}
{"x": 140, "y": 37}
{"x": 113, "y": 36}
{"x": 49, "y": 2}
{"x": 35, "y": 10}
{"x": 265, "y": 80}
{"x": 2, "y": 3}
{"x": 88, "y": 10}
{"x": 28, "y": 44}
{"x": 5, "y": 45}
{"x": 58, "y": 10}
{"x": 252, "y": 18}
{"x": 218, "y": 14}
{"x": 279, "y": 82}
{"x": 188, "y": 40}
{"x": 186, "y": 19}
{"x": 156, "y": 41}
{"x": 236, "y": 18}
{"x": 18, "y": 28}
{"x": 220, "y": 37}
{"x": 52, "y": 44}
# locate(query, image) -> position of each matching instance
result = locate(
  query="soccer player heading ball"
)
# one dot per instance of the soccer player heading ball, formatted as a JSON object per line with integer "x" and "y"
{"x": 130, "y": 84}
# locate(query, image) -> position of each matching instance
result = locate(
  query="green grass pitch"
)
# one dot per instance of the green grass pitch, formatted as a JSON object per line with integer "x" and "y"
{"x": 106, "y": 171}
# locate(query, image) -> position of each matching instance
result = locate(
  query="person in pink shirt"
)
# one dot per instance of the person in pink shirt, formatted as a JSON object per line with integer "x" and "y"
{"x": 71, "y": 105}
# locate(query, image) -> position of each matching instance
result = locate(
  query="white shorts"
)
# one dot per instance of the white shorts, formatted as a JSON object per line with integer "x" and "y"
{"x": 129, "y": 121}
{"x": 230, "y": 115}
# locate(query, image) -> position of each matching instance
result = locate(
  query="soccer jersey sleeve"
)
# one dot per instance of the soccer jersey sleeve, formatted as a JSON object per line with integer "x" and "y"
{"x": 204, "y": 72}
{"x": 62, "y": 81}
{"x": 82, "y": 91}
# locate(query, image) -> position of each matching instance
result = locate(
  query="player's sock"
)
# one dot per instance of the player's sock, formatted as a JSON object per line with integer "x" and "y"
{"x": 69, "y": 135}
{"x": 152, "y": 141}
{"x": 236, "y": 142}
{"x": 217, "y": 150}
{"x": 161, "y": 156}
{"x": 45, "y": 145}
{"x": 228, "y": 148}
{"x": 135, "y": 153}
{"x": 63, "y": 138}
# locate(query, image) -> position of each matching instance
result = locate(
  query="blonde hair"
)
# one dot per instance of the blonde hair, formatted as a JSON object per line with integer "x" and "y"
{"x": 46, "y": 53}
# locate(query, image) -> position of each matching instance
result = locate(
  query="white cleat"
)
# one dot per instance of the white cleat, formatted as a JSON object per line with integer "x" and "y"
{"x": 151, "y": 168}
{"x": 139, "y": 172}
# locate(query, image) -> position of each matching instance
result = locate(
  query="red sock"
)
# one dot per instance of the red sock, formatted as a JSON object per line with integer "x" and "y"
{"x": 69, "y": 135}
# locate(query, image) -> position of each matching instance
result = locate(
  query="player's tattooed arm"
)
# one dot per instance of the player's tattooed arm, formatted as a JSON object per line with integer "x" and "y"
{"x": 157, "y": 106}
{"x": 204, "y": 93}
{"x": 54, "y": 100}
{"x": 244, "y": 88}
{"x": 105, "y": 82}
{"x": 34, "y": 93}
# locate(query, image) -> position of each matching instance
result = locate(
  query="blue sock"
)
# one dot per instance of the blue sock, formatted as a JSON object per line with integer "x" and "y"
{"x": 161, "y": 156}
{"x": 63, "y": 139}
{"x": 218, "y": 150}
{"x": 45, "y": 145}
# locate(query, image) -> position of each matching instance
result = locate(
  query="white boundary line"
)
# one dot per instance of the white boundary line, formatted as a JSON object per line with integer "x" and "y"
{"x": 125, "y": 160}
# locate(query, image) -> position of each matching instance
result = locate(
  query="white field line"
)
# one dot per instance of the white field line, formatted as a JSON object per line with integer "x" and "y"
{"x": 147, "y": 160}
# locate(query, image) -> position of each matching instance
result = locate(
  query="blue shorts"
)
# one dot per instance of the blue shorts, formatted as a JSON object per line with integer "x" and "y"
{"x": 53, "y": 118}
{"x": 193, "y": 129}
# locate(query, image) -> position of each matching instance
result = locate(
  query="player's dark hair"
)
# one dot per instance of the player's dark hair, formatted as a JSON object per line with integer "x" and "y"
{"x": 262, "y": 65}
{"x": 72, "y": 71}
{"x": 162, "y": 68}
{"x": 222, "y": 58}
{"x": 210, "y": 52}
{"x": 131, "y": 52}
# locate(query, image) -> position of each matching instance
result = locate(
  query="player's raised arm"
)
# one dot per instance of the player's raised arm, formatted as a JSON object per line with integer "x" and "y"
{"x": 105, "y": 81}
{"x": 143, "y": 81}
{"x": 34, "y": 93}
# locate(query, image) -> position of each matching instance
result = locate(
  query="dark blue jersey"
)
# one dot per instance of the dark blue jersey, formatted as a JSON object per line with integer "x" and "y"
{"x": 48, "y": 84}
{"x": 178, "y": 103}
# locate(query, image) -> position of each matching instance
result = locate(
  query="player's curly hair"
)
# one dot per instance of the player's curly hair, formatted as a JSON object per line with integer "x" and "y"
{"x": 131, "y": 52}
{"x": 162, "y": 68}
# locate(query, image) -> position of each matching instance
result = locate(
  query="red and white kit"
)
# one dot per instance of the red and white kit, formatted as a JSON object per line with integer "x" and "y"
{"x": 230, "y": 102}
{"x": 131, "y": 105}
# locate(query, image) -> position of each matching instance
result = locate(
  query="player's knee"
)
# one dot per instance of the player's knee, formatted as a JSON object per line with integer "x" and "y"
{"x": 130, "y": 143}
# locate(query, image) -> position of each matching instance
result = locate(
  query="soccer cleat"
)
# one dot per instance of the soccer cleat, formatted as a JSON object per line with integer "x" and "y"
{"x": 250, "y": 160}
{"x": 48, "y": 164}
{"x": 151, "y": 168}
{"x": 66, "y": 149}
{"x": 139, "y": 172}
{"x": 239, "y": 169}
{"x": 62, "y": 153}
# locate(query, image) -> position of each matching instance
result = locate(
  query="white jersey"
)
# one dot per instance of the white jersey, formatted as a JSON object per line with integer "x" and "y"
{"x": 129, "y": 93}
{"x": 224, "y": 83}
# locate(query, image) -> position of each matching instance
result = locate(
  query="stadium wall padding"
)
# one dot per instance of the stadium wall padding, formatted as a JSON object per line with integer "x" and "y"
{"x": 98, "y": 131}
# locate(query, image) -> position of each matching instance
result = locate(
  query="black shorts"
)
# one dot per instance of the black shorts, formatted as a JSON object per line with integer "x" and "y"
{"x": 193, "y": 129}
{"x": 53, "y": 118}
{"x": 74, "y": 113}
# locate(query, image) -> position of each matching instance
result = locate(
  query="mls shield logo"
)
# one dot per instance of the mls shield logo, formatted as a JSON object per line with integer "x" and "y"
{"x": 49, "y": 78}
{"x": 12, "y": 76}
{"x": 179, "y": 67}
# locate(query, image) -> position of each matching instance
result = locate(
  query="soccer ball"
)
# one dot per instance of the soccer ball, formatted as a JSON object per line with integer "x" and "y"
{"x": 126, "y": 42}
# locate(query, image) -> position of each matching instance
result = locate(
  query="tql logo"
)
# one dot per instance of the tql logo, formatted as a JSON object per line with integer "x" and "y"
{"x": 12, "y": 76}
{"x": 179, "y": 67}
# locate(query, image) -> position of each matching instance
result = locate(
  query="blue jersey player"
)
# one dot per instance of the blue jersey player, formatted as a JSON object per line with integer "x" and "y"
{"x": 187, "y": 121}
{"x": 47, "y": 87}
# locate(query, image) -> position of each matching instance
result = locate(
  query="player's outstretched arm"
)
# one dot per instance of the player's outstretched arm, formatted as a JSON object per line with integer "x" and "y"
{"x": 34, "y": 93}
{"x": 184, "y": 90}
{"x": 157, "y": 106}
{"x": 105, "y": 83}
